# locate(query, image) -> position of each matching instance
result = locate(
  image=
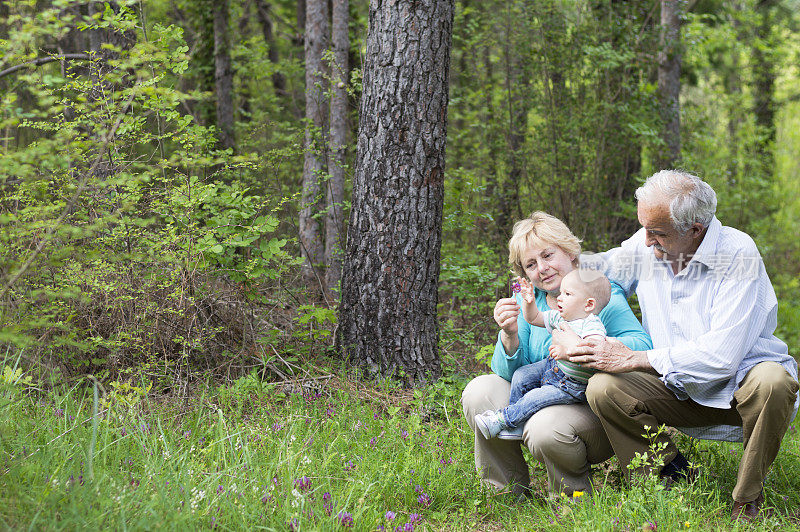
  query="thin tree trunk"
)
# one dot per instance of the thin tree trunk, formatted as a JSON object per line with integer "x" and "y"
{"x": 334, "y": 221}
{"x": 223, "y": 75}
{"x": 495, "y": 197}
{"x": 764, "y": 82}
{"x": 387, "y": 316}
{"x": 263, "y": 13}
{"x": 316, "y": 42}
{"x": 733, "y": 86}
{"x": 669, "y": 82}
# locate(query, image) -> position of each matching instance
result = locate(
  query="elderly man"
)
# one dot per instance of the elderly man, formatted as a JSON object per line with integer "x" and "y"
{"x": 711, "y": 311}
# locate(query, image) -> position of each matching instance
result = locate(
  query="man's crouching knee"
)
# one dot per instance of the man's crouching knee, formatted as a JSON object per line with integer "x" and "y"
{"x": 599, "y": 389}
{"x": 768, "y": 382}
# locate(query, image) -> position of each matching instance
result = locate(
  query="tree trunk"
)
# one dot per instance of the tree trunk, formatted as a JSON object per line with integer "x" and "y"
{"x": 669, "y": 82}
{"x": 316, "y": 42}
{"x": 278, "y": 79}
{"x": 387, "y": 317}
{"x": 223, "y": 75}
{"x": 733, "y": 87}
{"x": 764, "y": 82}
{"x": 334, "y": 221}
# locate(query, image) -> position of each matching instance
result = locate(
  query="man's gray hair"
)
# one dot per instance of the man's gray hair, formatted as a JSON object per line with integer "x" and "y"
{"x": 691, "y": 200}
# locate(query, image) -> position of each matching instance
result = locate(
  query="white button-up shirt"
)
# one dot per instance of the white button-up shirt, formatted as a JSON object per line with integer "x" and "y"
{"x": 710, "y": 323}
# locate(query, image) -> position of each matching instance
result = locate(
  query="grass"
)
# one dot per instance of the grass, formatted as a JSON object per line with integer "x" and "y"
{"x": 343, "y": 453}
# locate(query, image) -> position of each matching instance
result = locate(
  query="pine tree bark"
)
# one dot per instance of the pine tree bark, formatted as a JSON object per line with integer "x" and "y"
{"x": 223, "y": 74}
{"x": 316, "y": 42}
{"x": 387, "y": 316}
{"x": 669, "y": 82}
{"x": 334, "y": 222}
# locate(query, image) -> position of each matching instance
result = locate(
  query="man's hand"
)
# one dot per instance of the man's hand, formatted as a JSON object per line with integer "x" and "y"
{"x": 609, "y": 355}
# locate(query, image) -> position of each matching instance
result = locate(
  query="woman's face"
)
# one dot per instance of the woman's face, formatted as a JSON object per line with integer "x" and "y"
{"x": 547, "y": 266}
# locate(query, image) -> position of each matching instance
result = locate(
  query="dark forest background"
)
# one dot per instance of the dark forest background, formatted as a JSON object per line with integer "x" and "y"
{"x": 176, "y": 176}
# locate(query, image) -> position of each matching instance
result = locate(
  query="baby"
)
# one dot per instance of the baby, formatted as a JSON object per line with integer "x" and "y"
{"x": 554, "y": 380}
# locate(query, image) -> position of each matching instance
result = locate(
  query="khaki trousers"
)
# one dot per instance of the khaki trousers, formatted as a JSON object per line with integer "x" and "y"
{"x": 564, "y": 438}
{"x": 626, "y": 403}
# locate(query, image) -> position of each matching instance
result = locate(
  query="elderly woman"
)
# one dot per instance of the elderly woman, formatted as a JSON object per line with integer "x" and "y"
{"x": 565, "y": 438}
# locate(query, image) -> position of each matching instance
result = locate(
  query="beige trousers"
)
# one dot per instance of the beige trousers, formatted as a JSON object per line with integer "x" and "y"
{"x": 564, "y": 438}
{"x": 626, "y": 403}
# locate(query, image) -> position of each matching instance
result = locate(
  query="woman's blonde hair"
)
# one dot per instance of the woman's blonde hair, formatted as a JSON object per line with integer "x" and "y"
{"x": 540, "y": 230}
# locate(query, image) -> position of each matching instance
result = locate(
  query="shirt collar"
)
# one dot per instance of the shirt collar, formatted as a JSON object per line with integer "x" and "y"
{"x": 708, "y": 247}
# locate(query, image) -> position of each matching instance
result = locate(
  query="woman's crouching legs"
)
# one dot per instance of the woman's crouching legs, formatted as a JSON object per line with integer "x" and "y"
{"x": 567, "y": 439}
{"x": 499, "y": 462}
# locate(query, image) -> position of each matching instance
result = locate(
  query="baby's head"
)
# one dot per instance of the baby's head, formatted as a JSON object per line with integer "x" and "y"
{"x": 583, "y": 292}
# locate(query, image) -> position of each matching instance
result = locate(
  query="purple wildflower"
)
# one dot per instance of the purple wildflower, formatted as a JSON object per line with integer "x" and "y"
{"x": 303, "y": 483}
{"x": 292, "y": 524}
{"x": 404, "y": 434}
{"x": 408, "y": 527}
{"x": 346, "y": 519}
{"x": 515, "y": 287}
{"x": 424, "y": 500}
{"x": 390, "y": 515}
{"x": 123, "y": 432}
{"x": 349, "y": 465}
{"x": 326, "y": 496}
{"x": 373, "y": 441}
{"x": 59, "y": 412}
{"x": 413, "y": 518}
{"x": 220, "y": 489}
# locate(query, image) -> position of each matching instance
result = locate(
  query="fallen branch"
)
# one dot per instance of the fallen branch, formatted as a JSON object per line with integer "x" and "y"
{"x": 45, "y": 60}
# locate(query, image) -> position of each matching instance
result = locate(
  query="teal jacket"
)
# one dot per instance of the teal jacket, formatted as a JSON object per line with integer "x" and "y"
{"x": 534, "y": 341}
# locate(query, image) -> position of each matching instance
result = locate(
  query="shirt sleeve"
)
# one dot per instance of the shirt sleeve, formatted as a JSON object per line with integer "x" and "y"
{"x": 739, "y": 310}
{"x": 552, "y": 320}
{"x": 621, "y": 323}
{"x": 592, "y": 325}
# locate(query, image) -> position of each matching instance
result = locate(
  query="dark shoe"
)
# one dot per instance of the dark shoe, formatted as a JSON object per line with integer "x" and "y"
{"x": 677, "y": 470}
{"x": 748, "y": 510}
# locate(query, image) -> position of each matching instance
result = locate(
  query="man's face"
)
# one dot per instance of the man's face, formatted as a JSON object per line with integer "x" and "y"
{"x": 667, "y": 243}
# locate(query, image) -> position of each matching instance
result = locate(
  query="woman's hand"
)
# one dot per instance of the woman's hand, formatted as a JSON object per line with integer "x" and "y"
{"x": 506, "y": 312}
{"x": 565, "y": 337}
{"x": 558, "y": 352}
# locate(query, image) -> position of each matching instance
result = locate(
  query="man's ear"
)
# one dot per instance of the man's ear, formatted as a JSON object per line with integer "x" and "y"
{"x": 590, "y": 305}
{"x": 696, "y": 230}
